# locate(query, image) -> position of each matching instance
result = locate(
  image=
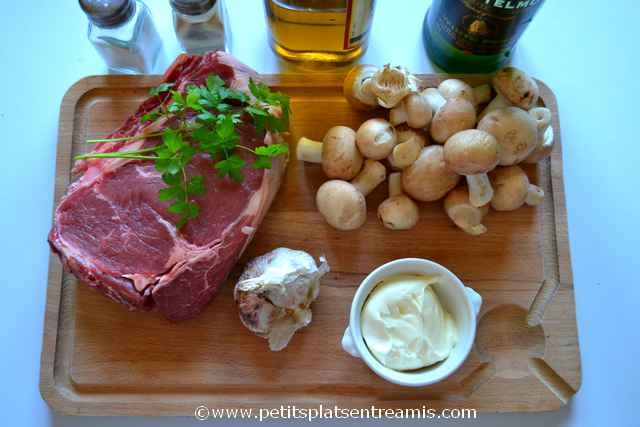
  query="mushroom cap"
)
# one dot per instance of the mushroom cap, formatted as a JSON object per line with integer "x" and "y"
{"x": 517, "y": 86}
{"x": 471, "y": 152}
{"x": 418, "y": 110}
{"x": 428, "y": 178}
{"x": 456, "y": 88}
{"x": 398, "y": 213}
{"x": 455, "y": 115}
{"x": 376, "y": 138}
{"x": 406, "y": 133}
{"x": 515, "y": 130}
{"x": 341, "y": 205}
{"x": 510, "y": 188}
{"x": 341, "y": 158}
{"x": 354, "y": 83}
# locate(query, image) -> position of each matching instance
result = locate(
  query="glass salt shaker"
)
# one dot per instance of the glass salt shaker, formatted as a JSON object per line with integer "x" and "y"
{"x": 199, "y": 25}
{"x": 123, "y": 32}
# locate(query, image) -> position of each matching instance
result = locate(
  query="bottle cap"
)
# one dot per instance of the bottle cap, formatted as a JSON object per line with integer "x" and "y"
{"x": 108, "y": 13}
{"x": 192, "y": 7}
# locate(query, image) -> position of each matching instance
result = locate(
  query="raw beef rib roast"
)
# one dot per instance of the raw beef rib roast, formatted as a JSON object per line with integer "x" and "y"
{"x": 112, "y": 232}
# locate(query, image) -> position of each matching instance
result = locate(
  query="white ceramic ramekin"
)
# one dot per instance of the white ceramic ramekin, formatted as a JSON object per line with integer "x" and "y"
{"x": 462, "y": 302}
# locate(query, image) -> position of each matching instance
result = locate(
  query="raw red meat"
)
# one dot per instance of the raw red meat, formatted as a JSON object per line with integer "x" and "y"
{"x": 111, "y": 231}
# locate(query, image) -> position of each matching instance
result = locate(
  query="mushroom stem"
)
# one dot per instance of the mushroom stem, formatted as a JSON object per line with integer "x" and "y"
{"x": 544, "y": 144}
{"x": 434, "y": 98}
{"x": 482, "y": 94}
{"x": 309, "y": 150}
{"x": 480, "y": 189}
{"x": 370, "y": 177}
{"x": 395, "y": 184}
{"x": 542, "y": 116}
{"x": 535, "y": 195}
{"x": 466, "y": 216}
{"x": 544, "y": 148}
{"x": 496, "y": 103}
{"x": 406, "y": 152}
{"x": 461, "y": 215}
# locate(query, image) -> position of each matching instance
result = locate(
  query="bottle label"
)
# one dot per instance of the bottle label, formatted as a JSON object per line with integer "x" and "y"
{"x": 483, "y": 27}
{"x": 357, "y": 23}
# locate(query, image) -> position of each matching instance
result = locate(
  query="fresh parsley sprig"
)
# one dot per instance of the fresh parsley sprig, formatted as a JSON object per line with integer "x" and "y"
{"x": 203, "y": 119}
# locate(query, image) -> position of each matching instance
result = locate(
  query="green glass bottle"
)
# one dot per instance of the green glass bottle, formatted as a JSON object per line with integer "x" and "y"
{"x": 475, "y": 36}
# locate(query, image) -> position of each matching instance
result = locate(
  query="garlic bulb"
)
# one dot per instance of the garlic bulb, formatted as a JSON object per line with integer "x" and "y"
{"x": 391, "y": 84}
{"x": 275, "y": 292}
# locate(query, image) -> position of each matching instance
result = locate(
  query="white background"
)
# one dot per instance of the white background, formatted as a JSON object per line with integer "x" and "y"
{"x": 585, "y": 50}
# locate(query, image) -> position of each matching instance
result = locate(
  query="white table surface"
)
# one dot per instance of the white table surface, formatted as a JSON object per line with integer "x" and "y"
{"x": 586, "y": 51}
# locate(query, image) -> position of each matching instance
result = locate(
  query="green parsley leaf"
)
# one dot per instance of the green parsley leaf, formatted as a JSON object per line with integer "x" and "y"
{"x": 178, "y": 207}
{"x": 150, "y": 116}
{"x": 262, "y": 162}
{"x": 173, "y": 140}
{"x": 171, "y": 180}
{"x": 272, "y": 150}
{"x": 195, "y": 186}
{"x": 231, "y": 166}
{"x": 171, "y": 193}
{"x": 155, "y": 91}
{"x": 203, "y": 119}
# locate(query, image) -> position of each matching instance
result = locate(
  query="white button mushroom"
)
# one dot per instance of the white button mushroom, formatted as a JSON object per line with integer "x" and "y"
{"x": 357, "y": 87}
{"x": 517, "y": 87}
{"x": 473, "y": 153}
{"x": 398, "y": 212}
{"x": 482, "y": 94}
{"x": 465, "y": 215}
{"x": 515, "y": 130}
{"x": 414, "y": 110}
{"x": 544, "y": 145}
{"x": 456, "y": 88}
{"x": 496, "y": 103}
{"x": 410, "y": 144}
{"x": 341, "y": 205}
{"x": 392, "y": 84}
{"x": 275, "y": 292}
{"x": 512, "y": 189}
{"x": 338, "y": 153}
{"x": 372, "y": 175}
{"x": 434, "y": 98}
{"x": 455, "y": 115}
{"x": 429, "y": 178}
{"x": 376, "y": 138}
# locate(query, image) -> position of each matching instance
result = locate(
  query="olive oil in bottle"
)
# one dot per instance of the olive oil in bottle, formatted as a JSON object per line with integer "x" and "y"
{"x": 325, "y": 31}
{"x": 475, "y": 36}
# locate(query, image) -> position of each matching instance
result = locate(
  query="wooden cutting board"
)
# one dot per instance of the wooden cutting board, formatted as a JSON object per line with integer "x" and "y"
{"x": 99, "y": 359}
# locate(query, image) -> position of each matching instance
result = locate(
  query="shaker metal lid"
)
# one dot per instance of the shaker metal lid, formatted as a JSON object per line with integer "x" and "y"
{"x": 108, "y": 13}
{"x": 192, "y": 7}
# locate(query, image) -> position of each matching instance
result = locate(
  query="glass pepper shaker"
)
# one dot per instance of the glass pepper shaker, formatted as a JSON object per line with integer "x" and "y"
{"x": 123, "y": 32}
{"x": 199, "y": 25}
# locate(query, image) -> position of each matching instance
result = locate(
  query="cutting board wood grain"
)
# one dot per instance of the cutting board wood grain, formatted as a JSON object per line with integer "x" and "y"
{"x": 100, "y": 359}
